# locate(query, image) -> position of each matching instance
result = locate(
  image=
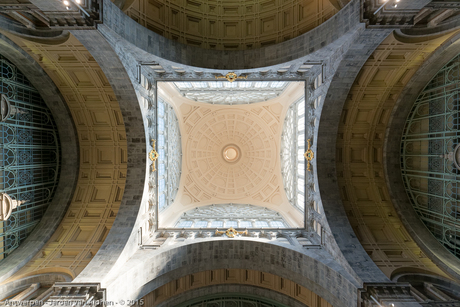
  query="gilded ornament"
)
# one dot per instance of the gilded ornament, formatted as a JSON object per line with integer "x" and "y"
{"x": 231, "y": 76}
{"x": 231, "y": 232}
{"x": 309, "y": 155}
{"x": 153, "y": 155}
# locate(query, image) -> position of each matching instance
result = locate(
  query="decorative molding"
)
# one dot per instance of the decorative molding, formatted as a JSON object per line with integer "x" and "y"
{"x": 79, "y": 294}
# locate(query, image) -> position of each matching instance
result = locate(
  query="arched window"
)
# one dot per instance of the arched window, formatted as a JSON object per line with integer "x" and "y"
{"x": 430, "y": 156}
{"x": 170, "y": 154}
{"x": 292, "y": 154}
{"x": 29, "y": 165}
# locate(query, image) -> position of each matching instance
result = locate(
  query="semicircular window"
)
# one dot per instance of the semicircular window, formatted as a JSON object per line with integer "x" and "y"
{"x": 231, "y": 215}
{"x": 430, "y": 158}
{"x": 29, "y": 149}
{"x": 170, "y": 154}
{"x": 231, "y": 93}
{"x": 292, "y": 154}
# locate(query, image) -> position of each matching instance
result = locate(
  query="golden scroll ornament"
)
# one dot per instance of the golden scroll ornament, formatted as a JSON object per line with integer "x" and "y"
{"x": 231, "y": 232}
{"x": 153, "y": 155}
{"x": 231, "y": 76}
{"x": 309, "y": 155}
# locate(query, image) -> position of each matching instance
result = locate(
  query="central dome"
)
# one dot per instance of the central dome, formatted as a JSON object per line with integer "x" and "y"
{"x": 231, "y": 153}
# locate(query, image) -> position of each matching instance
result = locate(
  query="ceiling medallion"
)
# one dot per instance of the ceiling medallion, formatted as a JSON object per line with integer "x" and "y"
{"x": 231, "y": 76}
{"x": 232, "y": 232}
{"x": 309, "y": 155}
{"x": 153, "y": 155}
{"x": 231, "y": 153}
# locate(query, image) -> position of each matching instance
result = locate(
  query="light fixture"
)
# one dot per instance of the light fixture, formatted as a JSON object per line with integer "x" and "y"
{"x": 66, "y": 2}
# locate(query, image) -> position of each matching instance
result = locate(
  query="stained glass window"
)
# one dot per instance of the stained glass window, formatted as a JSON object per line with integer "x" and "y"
{"x": 29, "y": 147}
{"x": 430, "y": 156}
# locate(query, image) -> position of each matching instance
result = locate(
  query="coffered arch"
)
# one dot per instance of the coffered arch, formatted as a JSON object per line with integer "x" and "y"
{"x": 237, "y": 25}
{"x": 263, "y": 56}
{"x": 360, "y": 154}
{"x": 103, "y": 155}
{"x": 412, "y": 223}
{"x": 69, "y": 156}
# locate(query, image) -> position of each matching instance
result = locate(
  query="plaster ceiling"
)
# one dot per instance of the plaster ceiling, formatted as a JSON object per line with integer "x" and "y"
{"x": 231, "y": 154}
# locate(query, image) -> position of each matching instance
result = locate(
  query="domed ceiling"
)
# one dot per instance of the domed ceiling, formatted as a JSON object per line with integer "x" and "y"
{"x": 232, "y": 153}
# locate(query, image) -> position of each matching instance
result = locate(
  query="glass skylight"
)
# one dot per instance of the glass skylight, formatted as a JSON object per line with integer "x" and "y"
{"x": 292, "y": 154}
{"x": 230, "y": 93}
{"x": 231, "y": 215}
{"x": 170, "y": 154}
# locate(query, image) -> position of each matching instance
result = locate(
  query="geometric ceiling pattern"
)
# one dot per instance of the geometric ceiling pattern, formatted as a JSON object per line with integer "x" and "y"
{"x": 359, "y": 156}
{"x": 235, "y": 25}
{"x": 216, "y": 177}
